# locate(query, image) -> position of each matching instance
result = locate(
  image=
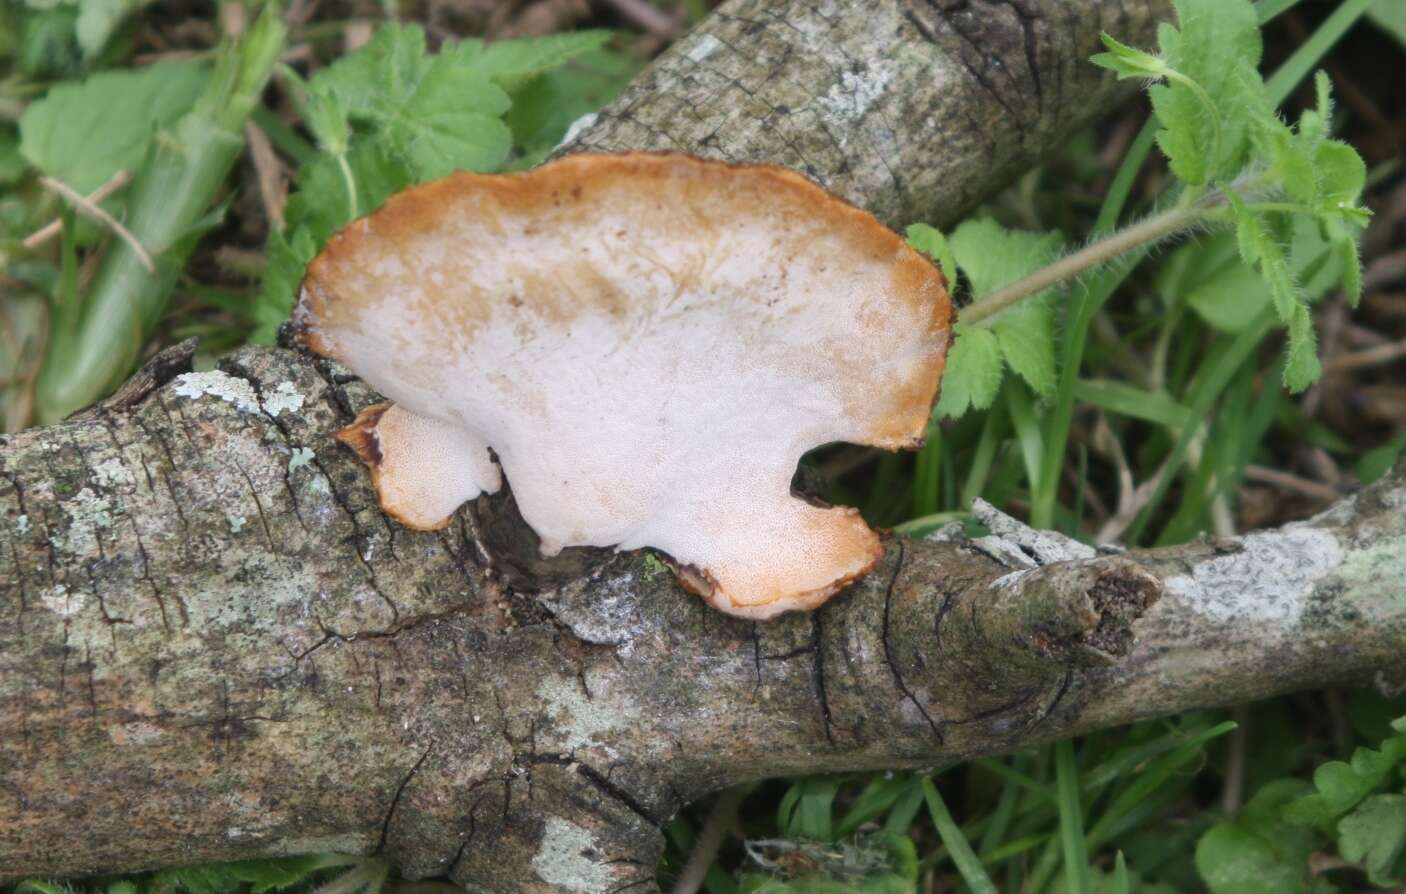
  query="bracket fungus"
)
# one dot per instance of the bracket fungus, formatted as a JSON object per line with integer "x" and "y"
{"x": 646, "y": 344}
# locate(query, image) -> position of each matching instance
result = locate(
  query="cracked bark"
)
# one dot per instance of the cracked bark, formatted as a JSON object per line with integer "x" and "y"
{"x": 214, "y": 646}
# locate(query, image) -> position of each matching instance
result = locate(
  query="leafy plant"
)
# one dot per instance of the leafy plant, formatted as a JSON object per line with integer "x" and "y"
{"x": 95, "y": 338}
{"x": 1266, "y": 847}
{"x": 392, "y": 114}
{"x": 1238, "y": 165}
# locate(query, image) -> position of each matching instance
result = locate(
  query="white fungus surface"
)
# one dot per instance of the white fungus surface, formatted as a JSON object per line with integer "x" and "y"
{"x": 648, "y": 344}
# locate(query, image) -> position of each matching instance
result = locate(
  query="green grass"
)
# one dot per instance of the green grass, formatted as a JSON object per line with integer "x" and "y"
{"x": 1151, "y": 808}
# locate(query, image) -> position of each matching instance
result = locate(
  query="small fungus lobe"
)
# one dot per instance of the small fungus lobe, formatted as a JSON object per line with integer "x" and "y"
{"x": 648, "y": 343}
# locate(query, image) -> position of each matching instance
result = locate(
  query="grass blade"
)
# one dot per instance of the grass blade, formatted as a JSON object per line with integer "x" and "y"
{"x": 973, "y": 873}
{"x": 1071, "y": 820}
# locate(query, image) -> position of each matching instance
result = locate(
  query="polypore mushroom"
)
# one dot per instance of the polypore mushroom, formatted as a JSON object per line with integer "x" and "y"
{"x": 648, "y": 343}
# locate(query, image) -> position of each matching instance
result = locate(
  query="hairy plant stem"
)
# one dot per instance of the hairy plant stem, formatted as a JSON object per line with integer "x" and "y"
{"x": 1153, "y": 229}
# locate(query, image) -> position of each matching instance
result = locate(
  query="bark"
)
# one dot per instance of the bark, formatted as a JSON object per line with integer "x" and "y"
{"x": 214, "y": 646}
{"x": 912, "y": 109}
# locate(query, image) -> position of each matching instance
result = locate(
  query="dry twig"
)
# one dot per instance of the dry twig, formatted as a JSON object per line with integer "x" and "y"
{"x": 96, "y": 212}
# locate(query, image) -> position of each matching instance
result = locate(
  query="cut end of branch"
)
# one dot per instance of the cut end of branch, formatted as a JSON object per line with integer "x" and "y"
{"x": 1120, "y": 594}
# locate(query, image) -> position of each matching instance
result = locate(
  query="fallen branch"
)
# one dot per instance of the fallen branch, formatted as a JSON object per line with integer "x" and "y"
{"x": 215, "y": 646}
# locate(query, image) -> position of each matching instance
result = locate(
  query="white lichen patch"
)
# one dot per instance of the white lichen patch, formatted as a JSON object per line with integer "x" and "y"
{"x": 1047, "y": 547}
{"x": 62, "y": 602}
{"x": 703, "y": 48}
{"x": 111, "y": 472}
{"x": 222, "y": 385}
{"x": 1269, "y": 581}
{"x": 584, "y": 722}
{"x": 22, "y": 525}
{"x": 562, "y": 859}
{"x": 236, "y": 522}
{"x": 285, "y": 398}
{"x": 88, "y": 513}
{"x": 301, "y": 457}
{"x": 849, "y": 100}
{"x": 576, "y": 127}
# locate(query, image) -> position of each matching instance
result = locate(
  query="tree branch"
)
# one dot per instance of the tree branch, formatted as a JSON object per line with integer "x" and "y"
{"x": 214, "y": 646}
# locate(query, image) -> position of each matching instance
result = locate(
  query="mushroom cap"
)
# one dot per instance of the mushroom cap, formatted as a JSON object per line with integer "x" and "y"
{"x": 648, "y": 343}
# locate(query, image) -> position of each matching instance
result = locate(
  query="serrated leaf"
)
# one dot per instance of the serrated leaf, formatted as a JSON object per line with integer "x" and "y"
{"x": 315, "y": 211}
{"x": 126, "y": 107}
{"x": 1216, "y": 46}
{"x": 1340, "y": 786}
{"x": 512, "y": 62}
{"x": 450, "y": 121}
{"x": 932, "y": 243}
{"x": 437, "y": 115}
{"x": 545, "y": 106}
{"x": 991, "y": 257}
{"x": 973, "y": 374}
{"x": 388, "y": 67}
{"x": 1026, "y": 334}
{"x": 1374, "y": 835}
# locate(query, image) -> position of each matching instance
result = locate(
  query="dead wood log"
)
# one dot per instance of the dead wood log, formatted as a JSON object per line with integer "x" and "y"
{"x": 214, "y": 646}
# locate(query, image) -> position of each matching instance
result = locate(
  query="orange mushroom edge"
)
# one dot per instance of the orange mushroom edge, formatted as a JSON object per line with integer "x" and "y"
{"x": 648, "y": 343}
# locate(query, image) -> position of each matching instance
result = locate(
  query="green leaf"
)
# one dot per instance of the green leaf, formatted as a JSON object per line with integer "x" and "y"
{"x": 1258, "y": 853}
{"x": 436, "y": 114}
{"x": 1375, "y": 835}
{"x": 1216, "y": 50}
{"x": 1291, "y": 162}
{"x": 450, "y": 121}
{"x": 992, "y": 256}
{"x": 1377, "y": 462}
{"x": 12, "y": 163}
{"x": 275, "y": 874}
{"x": 967, "y": 862}
{"x": 973, "y": 374}
{"x": 47, "y": 48}
{"x": 1027, "y": 337}
{"x": 1342, "y": 175}
{"x": 932, "y": 243}
{"x": 126, "y": 107}
{"x": 326, "y": 117}
{"x": 1341, "y": 786}
{"x": 1128, "y": 400}
{"x": 1390, "y": 16}
{"x": 512, "y": 62}
{"x": 1129, "y": 62}
{"x": 1351, "y": 259}
{"x": 98, "y": 19}
{"x": 1301, "y": 368}
{"x": 382, "y": 72}
{"x": 544, "y": 107}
